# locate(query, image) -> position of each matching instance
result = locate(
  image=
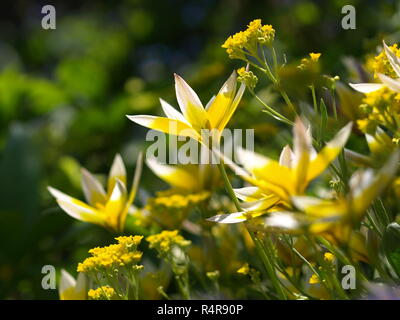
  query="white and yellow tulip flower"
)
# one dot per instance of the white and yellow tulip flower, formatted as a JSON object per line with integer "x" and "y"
{"x": 275, "y": 182}
{"x": 194, "y": 116}
{"x": 392, "y": 84}
{"x": 108, "y": 209}
{"x": 71, "y": 288}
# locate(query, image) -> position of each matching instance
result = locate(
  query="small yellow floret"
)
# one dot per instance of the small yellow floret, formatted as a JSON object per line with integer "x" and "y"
{"x": 245, "y": 269}
{"x": 314, "y": 56}
{"x": 329, "y": 256}
{"x": 314, "y": 279}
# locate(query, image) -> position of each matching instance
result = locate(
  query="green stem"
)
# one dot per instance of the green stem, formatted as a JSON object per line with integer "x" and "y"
{"x": 259, "y": 246}
{"x": 268, "y": 266}
{"x": 272, "y": 112}
{"x": 228, "y": 185}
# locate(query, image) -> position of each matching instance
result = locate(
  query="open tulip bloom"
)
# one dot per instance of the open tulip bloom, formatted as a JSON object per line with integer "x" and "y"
{"x": 392, "y": 84}
{"x": 108, "y": 209}
{"x": 195, "y": 119}
{"x": 275, "y": 182}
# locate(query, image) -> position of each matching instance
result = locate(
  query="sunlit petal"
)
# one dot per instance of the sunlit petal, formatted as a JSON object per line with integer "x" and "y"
{"x": 392, "y": 84}
{"x": 117, "y": 171}
{"x": 219, "y": 108}
{"x": 366, "y": 87}
{"x": 76, "y": 208}
{"x": 170, "y": 126}
{"x": 171, "y": 112}
{"x": 287, "y": 157}
{"x": 176, "y": 176}
{"x": 190, "y": 104}
{"x": 92, "y": 188}
{"x": 366, "y": 186}
{"x": 116, "y": 205}
{"x": 393, "y": 59}
{"x": 329, "y": 152}
{"x": 248, "y": 193}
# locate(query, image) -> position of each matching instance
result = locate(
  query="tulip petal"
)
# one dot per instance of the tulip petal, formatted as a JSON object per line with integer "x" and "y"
{"x": 366, "y": 87}
{"x": 302, "y": 145}
{"x": 366, "y": 186}
{"x": 76, "y": 208}
{"x": 220, "y": 106}
{"x": 117, "y": 172}
{"x": 170, "y": 126}
{"x": 392, "y": 84}
{"x": 190, "y": 104}
{"x": 210, "y": 102}
{"x": 393, "y": 59}
{"x": 248, "y": 193}
{"x": 379, "y": 143}
{"x": 71, "y": 289}
{"x": 229, "y": 218}
{"x": 329, "y": 152}
{"x": 92, "y": 189}
{"x": 176, "y": 176}
{"x": 262, "y": 204}
{"x": 277, "y": 178}
{"x": 232, "y": 108}
{"x": 286, "y": 158}
{"x": 115, "y": 206}
{"x": 66, "y": 288}
{"x": 171, "y": 112}
{"x": 283, "y": 221}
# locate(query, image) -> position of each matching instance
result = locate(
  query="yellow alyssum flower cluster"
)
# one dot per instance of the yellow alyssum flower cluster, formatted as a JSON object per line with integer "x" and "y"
{"x": 122, "y": 254}
{"x": 163, "y": 242}
{"x": 381, "y": 64}
{"x": 381, "y": 107}
{"x": 247, "y": 77}
{"x": 245, "y": 42}
{"x": 102, "y": 293}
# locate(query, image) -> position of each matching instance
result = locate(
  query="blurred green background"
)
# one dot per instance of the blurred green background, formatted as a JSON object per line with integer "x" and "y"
{"x": 64, "y": 95}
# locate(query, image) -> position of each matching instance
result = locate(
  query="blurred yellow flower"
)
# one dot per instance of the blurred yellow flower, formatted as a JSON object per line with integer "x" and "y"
{"x": 337, "y": 214}
{"x": 276, "y": 182}
{"x": 108, "y": 209}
